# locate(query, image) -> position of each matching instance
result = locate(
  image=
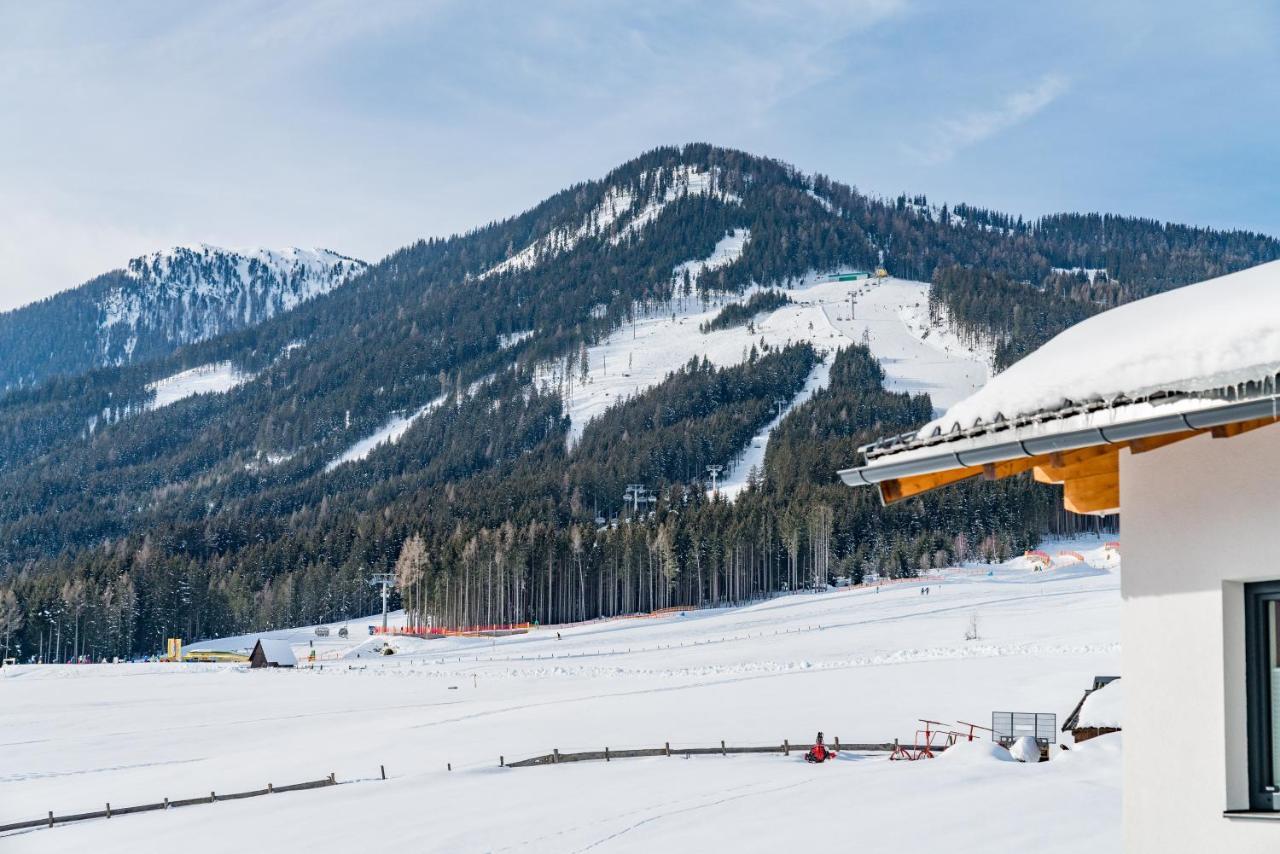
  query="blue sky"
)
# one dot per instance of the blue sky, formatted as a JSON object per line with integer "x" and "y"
{"x": 128, "y": 127}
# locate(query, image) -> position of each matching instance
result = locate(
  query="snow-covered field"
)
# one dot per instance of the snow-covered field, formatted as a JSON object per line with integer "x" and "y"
{"x": 856, "y": 663}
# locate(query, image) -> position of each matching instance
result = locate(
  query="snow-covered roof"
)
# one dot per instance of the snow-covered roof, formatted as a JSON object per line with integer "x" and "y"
{"x": 1103, "y": 708}
{"x": 1189, "y": 359}
{"x": 278, "y": 652}
{"x": 1210, "y": 335}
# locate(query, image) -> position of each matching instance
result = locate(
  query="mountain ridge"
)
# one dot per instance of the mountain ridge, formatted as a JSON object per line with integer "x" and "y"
{"x": 159, "y": 302}
{"x": 224, "y": 510}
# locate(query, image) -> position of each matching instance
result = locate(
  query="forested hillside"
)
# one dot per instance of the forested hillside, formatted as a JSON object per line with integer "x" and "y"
{"x": 414, "y": 418}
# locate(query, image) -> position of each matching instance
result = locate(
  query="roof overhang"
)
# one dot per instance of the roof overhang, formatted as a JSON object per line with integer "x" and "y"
{"x": 1079, "y": 450}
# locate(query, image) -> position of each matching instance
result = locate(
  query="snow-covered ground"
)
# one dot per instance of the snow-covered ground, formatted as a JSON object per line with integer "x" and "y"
{"x": 891, "y": 314}
{"x": 214, "y": 378}
{"x": 856, "y": 663}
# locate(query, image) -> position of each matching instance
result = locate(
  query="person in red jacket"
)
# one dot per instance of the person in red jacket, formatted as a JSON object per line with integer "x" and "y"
{"x": 819, "y": 752}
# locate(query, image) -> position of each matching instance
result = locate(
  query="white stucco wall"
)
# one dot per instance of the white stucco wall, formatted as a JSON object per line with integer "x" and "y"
{"x": 1199, "y": 518}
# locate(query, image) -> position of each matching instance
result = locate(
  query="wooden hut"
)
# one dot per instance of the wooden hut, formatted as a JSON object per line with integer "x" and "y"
{"x": 1096, "y": 714}
{"x": 272, "y": 653}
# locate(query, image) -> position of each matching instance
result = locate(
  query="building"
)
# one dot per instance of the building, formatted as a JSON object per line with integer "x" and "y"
{"x": 272, "y": 653}
{"x": 1097, "y": 713}
{"x": 1164, "y": 409}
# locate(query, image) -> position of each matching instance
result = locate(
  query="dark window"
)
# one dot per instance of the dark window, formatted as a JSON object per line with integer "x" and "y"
{"x": 1262, "y": 637}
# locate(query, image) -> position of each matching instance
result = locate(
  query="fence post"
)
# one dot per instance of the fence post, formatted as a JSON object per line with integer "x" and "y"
{"x": 108, "y": 809}
{"x": 166, "y": 803}
{"x": 606, "y": 754}
{"x": 786, "y": 746}
{"x": 667, "y": 748}
{"x": 450, "y": 765}
{"x": 270, "y": 789}
{"x": 383, "y": 769}
{"x": 51, "y": 818}
{"x": 212, "y": 797}
{"x": 555, "y": 756}
{"x": 502, "y": 763}
{"x": 722, "y": 750}
{"x": 332, "y": 778}
{"x": 837, "y": 744}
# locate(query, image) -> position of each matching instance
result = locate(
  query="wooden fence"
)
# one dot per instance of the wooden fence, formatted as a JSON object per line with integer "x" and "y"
{"x": 555, "y": 757}
{"x": 50, "y": 820}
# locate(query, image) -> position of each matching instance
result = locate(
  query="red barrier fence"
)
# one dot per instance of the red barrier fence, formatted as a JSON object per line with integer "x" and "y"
{"x": 462, "y": 631}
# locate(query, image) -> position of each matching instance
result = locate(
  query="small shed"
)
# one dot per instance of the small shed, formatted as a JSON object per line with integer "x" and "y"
{"x": 268, "y": 652}
{"x": 1100, "y": 710}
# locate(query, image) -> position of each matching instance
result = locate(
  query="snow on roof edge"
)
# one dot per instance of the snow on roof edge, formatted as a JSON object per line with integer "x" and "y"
{"x": 1214, "y": 334}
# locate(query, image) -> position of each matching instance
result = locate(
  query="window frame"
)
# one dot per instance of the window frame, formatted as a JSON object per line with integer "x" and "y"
{"x": 1258, "y": 694}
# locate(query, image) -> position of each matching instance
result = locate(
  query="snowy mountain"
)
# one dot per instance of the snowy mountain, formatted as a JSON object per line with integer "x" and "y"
{"x": 160, "y": 302}
{"x": 522, "y": 418}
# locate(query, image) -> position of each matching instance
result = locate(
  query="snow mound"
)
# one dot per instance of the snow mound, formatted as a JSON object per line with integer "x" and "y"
{"x": 1216, "y": 333}
{"x": 1025, "y": 749}
{"x": 977, "y": 752}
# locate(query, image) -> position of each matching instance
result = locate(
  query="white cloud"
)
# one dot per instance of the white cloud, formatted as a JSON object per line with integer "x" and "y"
{"x": 332, "y": 124}
{"x": 950, "y": 136}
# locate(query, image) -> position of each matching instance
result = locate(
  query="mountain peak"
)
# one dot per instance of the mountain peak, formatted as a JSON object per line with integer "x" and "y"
{"x": 161, "y": 301}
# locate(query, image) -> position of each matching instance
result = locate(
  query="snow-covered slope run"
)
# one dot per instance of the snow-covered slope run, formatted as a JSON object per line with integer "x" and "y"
{"x": 190, "y": 293}
{"x": 727, "y": 251}
{"x": 858, "y": 663}
{"x": 620, "y": 213}
{"x": 388, "y": 434}
{"x": 887, "y": 313}
{"x": 750, "y": 464}
{"x": 214, "y": 378}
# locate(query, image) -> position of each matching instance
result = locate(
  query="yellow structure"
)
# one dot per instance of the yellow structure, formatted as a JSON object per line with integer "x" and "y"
{"x": 882, "y": 273}
{"x": 214, "y": 656}
{"x": 175, "y": 650}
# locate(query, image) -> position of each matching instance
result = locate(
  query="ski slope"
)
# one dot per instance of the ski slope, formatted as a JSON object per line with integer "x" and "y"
{"x": 214, "y": 378}
{"x": 890, "y": 315}
{"x": 388, "y": 434}
{"x": 856, "y": 663}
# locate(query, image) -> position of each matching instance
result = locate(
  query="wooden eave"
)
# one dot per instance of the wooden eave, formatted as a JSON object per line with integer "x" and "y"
{"x": 1089, "y": 475}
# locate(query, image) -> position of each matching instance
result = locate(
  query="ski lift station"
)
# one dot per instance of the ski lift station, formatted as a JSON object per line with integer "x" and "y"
{"x": 1165, "y": 409}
